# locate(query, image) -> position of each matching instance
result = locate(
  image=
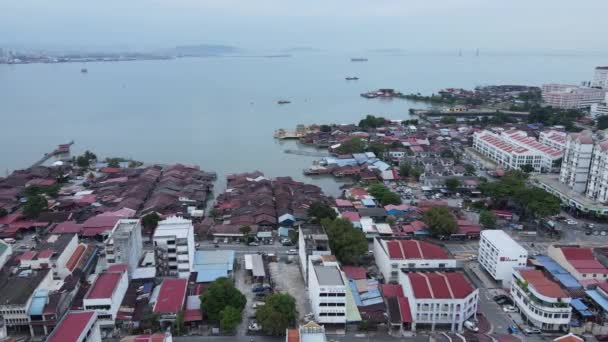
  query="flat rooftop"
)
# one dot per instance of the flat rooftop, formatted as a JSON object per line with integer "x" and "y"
{"x": 502, "y": 240}
{"x": 174, "y": 226}
{"x": 328, "y": 275}
{"x": 17, "y": 289}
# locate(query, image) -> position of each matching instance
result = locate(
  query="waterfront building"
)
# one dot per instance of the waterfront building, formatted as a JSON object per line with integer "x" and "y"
{"x": 542, "y": 302}
{"x": 553, "y": 138}
{"x": 327, "y": 291}
{"x": 600, "y": 77}
{"x": 394, "y": 255}
{"x": 174, "y": 244}
{"x": 106, "y": 294}
{"x": 569, "y": 96}
{"x": 499, "y": 254}
{"x": 439, "y": 300}
{"x": 77, "y": 326}
{"x": 124, "y": 244}
{"x": 599, "y": 109}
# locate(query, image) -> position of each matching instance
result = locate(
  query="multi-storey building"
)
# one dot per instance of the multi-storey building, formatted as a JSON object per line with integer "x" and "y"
{"x": 327, "y": 291}
{"x": 174, "y": 244}
{"x": 312, "y": 241}
{"x": 5, "y": 252}
{"x": 579, "y": 262}
{"x": 599, "y": 109}
{"x": 54, "y": 251}
{"x": 499, "y": 254}
{"x": 77, "y": 326}
{"x": 514, "y": 149}
{"x": 570, "y": 96}
{"x": 553, "y": 138}
{"x": 394, "y": 255}
{"x": 443, "y": 300}
{"x": 541, "y": 301}
{"x": 597, "y": 185}
{"x": 106, "y": 294}
{"x": 600, "y": 77}
{"x": 124, "y": 244}
{"x": 577, "y": 159}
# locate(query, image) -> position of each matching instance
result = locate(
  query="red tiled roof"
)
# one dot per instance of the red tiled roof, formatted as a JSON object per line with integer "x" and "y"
{"x": 67, "y": 228}
{"x": 446, "y": 285}
{"x": 414, "y": 249}
{"x": 159, "y": 337}
{"x": 293, "y": 335}
{"x": 404, "y": 308}
{"x": 171, "y": 296}
{"x": 47, "y": 253}
{"x": 344, "y": 203}
{"x": 73, "y": 261}
{"x": 575, "y": 253}
{"x": 391, "y": 290}
{"x": 568, "y": 338}
{"x": 354, "y": 272}
{"x": 70, "y": 328}
{"x": 10, "y": 218}
{"x": 117, "y": 268}
{"x": 352, "y": 216}
{"x": 104, "y": 285}
{"x": 29, "y": 255}
{"x": 542, "y": 284}
{"x": 110, "y": 170}
{"x": 193, "y": 315}
{"x": 583, "y": 260}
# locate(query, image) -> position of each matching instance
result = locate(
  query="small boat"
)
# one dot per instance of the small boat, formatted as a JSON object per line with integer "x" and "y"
{"x": 352, "y": 78}
{"x": 84, "y": 70}
{"x": 282, "y": 102}
{"x": 358, "y": 59}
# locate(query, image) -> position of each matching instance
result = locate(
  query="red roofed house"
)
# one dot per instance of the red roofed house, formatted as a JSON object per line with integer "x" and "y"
{"x": 77, "y": 326}
{"x": 171, "y": 299}
{"x": 568, "y": 338}
{"x": 541, "y": 301}
{"x": 399, "y": 312}
{"x": 54, "y": 252}
{"x": 580, "y": 262}
{"x": 439, "y": 300}
{"x": 98, "y": 225}
{"x": 394, "y": 255}
{"x": 106, "y": 294}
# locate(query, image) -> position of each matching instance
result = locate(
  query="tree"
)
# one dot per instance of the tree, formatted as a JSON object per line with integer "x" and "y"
{"x": 278, "y": 314}
{"x": 405, "y": 169}
{"x": 220, "y": 294}
{"x": 346, "y": 242}
{"x": 34, "y": 206}
{"x": 325, "y": 128}
{"x": 230, "y": 319}
{"x": 469, "y": 170}
{"x": 602, "y": 122}
{"x": 113, "y": 162}
{"x": 527, "y": 168}
{"x": 487, "y": 219}
{"x": 178, "y": 324}
{"x": 447, "y": 120}
{"x": 452, "y": 184}
{"x": 245, "y": 230}
{"x": 3, "y": 212}
{"x": 319, "y": 211}
{"x": 377, "y": 148}
{"x": 383, "y": 194}
{"x": 150, "y": 221}
{"x": 84, "y": 161}
{"x": 440, "y": 221}
{"x": 353, "y": 145}
{"x": 371, "y": 121}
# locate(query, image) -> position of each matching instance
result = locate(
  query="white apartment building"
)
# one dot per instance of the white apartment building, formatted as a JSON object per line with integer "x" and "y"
{"x": 600, "y": 77}
{"x": 106, "y": 294}
{"x": 597, "y": 185}
{"x": 513, "y": 149}
{"x": 124, "y": 244}
{"x": 577, "y": 160}
{"x": 542, "y": 302}
{"x": 394, "y": 255}
{"x": 553, "y": 138}
{"x": 312, "y": 241}
{"x": 439, "y": 300}
{"x": 77, "y": 326}
{"x": 327, "y": 291}
{"x": 499, "y": 254}
{"x": 174, "y": 243}
{"x": 570, "y": 96}
{"x": 600, "y": 109}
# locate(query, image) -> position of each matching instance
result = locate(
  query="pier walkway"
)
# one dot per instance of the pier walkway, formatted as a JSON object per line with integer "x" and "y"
{"x": 62, "y": 151}
{"x": 308, "y": 153}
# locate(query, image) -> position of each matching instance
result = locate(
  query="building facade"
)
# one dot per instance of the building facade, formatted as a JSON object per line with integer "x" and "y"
{"x": 499, "y": 254}
{"x": 574, "y": 172}
{"x": 541, "y": 302}
{"x": 124, "y": 244}
{"x": 570, "y": 96}
{"x": 174, "y": 244}
{"x": 597, "y": 185}
{"x": 77, "y": 326}
{"x": 327, "y": 291}
{"x": 312, "y": 241}
{"x": 553, "y": 138}
{"x": 106, "y": 294}
{"x": 600, "y": 77}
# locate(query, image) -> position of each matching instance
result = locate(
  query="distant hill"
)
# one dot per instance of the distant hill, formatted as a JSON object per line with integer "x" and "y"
{"x": 202, "y": 50}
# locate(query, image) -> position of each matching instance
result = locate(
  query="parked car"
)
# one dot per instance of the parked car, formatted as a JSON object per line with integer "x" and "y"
{"x": 509, "y": 308}
{"x": 571, "y": 222}
{"x": 254, "y": 326}
{"x": 603, "y": 233}
{"x": 226, "y": 240}
{"x": 532, "y": 331}
{"x": 261, "y": 288}
{"x": 499, "y": 297}
{"x": 253, "y": 243}
{"x": 471, "y": 326}
{"x": 588, "y": 232}
{"x": 292, "y": 252}
{"x": 256, "y": 305}
{"x": 512, "y": 329}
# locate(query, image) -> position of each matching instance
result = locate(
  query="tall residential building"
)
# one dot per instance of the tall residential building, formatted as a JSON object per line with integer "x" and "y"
{"x": 600, "y": 78}
{"x": 570, "y": 96}
{"x": 553, "y": 138}
{"x": 327, "y": 291}
{"x": 174, "y": 244}
{"x": 600, "y": 109}
{"x": 597, "y": 185}
{"x": 577, "y": 159}
{"x": 106, "y": 294}
{"x": 124, "y": 244}
{"x": 499, "y": 254}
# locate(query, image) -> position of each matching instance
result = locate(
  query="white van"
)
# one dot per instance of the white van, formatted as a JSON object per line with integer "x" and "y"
{"x": 471, "y": 326}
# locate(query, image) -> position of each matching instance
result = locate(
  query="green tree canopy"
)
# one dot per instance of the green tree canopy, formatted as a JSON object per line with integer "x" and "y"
{"x": 325, "y": 128}
{"x": 446, "y": 120}
{"x": 602, "y": 122}
{"x": 469, "y": 169}
{"x": 278, "y": 314}
{"x": 371, "y": 121}
{"x": 34, "y": 206}
{"x": 346, "y": 242}
{"x": 220, "y": 294}
{"x": 3, "y": 212}
{"x": 230, "y": 319}
{"x": 178, "y": 324}
{"x": 440, "y": 221}
{"x": 85, "y": 160}
{"x": 353, "y": 145}
{"x": 452, "y": 184}
{"x": 487, "y": 219}
{"x": 377, "y": 148}
{"x": 383, "y": 194}
{"x": 319, "y": 211}
{"x": 245, "y": 230}
{"x": 150, "y": 221}
{"x": 527, "y": 168}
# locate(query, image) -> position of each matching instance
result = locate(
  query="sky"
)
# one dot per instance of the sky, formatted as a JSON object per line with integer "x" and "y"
{"x": 502, "y": 25}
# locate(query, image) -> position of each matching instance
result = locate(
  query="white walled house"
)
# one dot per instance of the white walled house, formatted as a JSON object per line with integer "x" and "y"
{"x": 394, "y": 255}
{"x": 439, "y": 300}
{"x": 174, "y": 242}
{"x": 106, "y": 294}
{"x": 499, "y": 254}
{"x": 542, "y": 302}
{"x": 327, "y": 291}
{"x": 506, "y": 153}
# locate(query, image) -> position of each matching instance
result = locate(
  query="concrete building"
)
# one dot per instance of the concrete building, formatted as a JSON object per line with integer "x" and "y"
{"x": 580, "y": 262}
{"x": 309, "y": 332}
{"x": 542, "y": 302}
{"x": 394, "y": 255}
{"x": 106, "y": 294}
{"x": 597, "y": 184}
{"x": 124, "y": 244}
{"x": 577, "y": 160}
{"x": 439, "y": 300}
{"x": 312, "y": 240}
{"x": 327, "y": 291}
{"x": 5, "y": 252}
{"x": 600, "y": 77}
{"x": 54, "y": 251}
{"x": 499, "y": 254}
{"x": 600, "y": 108}
{"x": 553, "y": 138}
{"x": 170, "y": 300}
{"x": 77, "y": 326}
{"x": 570, "y": 96}
{"x": 174, "y": 243}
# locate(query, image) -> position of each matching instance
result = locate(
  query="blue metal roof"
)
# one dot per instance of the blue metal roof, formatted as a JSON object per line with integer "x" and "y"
{"x": 580, "y": 307}
{"x": 284, "y": 231}
{"x": 368, "y": 202}
{"x": 598, "y": 298}
{"x": 558, "y": 272}
{"x": 214, "y": 259}
{"x": 38, "y": 302}
{"x": 208, "y": 275}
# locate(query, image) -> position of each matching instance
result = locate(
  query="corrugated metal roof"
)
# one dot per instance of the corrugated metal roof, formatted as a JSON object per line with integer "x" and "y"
{"x": 38, "y": 302}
